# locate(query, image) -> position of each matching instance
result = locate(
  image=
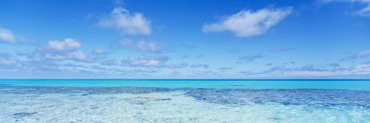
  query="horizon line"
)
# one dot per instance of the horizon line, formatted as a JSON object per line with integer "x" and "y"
{"x": 168, "y": 79}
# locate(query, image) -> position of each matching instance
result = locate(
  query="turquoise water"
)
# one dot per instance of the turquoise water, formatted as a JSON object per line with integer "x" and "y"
{"x": 216, "y": 84}
{"x": 313, "y": 101}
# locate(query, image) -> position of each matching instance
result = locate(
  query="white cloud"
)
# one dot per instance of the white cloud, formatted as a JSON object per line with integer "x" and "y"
{"x": 361, "y": 69}
{"x": 98, "y": 51}
{"x": 145, "y": 62}
{"x": 177, "y": 66}
{"x": 361, "y": 54}
{"x": 78, "y": 56}
{"x": 142, "y": 45}
{"x": 55, "y": 57}
{"x": 69, "y": 49}
{"x": 329, "y": 1}
{"x": 6, "y": 35}
{"x": 66, "y": 45}
{"x": 247, "y": 23}
{"x": 362, "y": 12}
{"x": 122, "y": 20}
{"x": 4, "y": 61}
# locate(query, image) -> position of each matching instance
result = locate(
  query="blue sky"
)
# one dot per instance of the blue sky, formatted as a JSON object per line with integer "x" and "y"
{"x": 185, "y": 39}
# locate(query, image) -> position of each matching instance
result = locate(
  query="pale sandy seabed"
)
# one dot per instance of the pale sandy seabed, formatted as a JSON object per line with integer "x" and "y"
{"x": 180, "y": 105}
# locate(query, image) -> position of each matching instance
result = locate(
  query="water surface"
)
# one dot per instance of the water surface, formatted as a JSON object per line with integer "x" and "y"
{"x": 184, "y": 100}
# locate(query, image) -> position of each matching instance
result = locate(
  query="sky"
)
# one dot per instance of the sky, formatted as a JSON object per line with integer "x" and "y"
{"x": 184, "y": 39}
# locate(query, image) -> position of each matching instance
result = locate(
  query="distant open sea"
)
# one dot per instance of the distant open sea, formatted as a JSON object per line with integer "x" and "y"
{"x": 44, "y": 100}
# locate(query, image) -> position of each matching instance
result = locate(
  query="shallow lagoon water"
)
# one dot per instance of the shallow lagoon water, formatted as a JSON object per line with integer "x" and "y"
{"x": 184, "y": 101}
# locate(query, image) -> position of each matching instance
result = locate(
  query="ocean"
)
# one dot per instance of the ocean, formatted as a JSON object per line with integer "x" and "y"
{"x": 33, "y": 100}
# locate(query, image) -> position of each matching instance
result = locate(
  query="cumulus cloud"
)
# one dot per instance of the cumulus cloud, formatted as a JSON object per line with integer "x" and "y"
{"x": 6, "y": 35}
{"x": 61, "y": 46}
{"x": 55, "y": 50}
{"x": 126, "y": 22}
{"x": 142, "y": 45}
{"x": 145, "y": 61}
{"x": 248, "y": 23}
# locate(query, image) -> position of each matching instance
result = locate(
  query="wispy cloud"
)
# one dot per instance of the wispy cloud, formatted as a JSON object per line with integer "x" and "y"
{"x": 177, "y": 66}
{"x": 145, "y": 61}
{"x": 250, "y": 58}
{"x": 362, "y": 12}
{"x": 248, "y": 23}
{"x": 311, "y": 70}
{"x": 78, "y": 56}
{"x": 127, "y": 23}
{"x": 98, "y": 51}
{"x": 68, "y": 44}
{"x": 142, "y": 45}
{"x": 189, "y": 45}
{"x": 55, "y": 57}
{"x": 225, "y": 68}
{"x": 362, "y": 54}
{"x": 6, "y": 35}
{"x": 365, "y": 11}
{"x": 75, "y": 56}
{"x": 199, "y": 66}
{"x": 110, "y": 62}
{"x": 5, "y": 61}
{"x": 283, "y": 49}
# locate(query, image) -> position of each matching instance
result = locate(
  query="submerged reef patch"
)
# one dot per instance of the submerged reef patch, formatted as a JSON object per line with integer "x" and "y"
{"x": 285, "y": 97}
